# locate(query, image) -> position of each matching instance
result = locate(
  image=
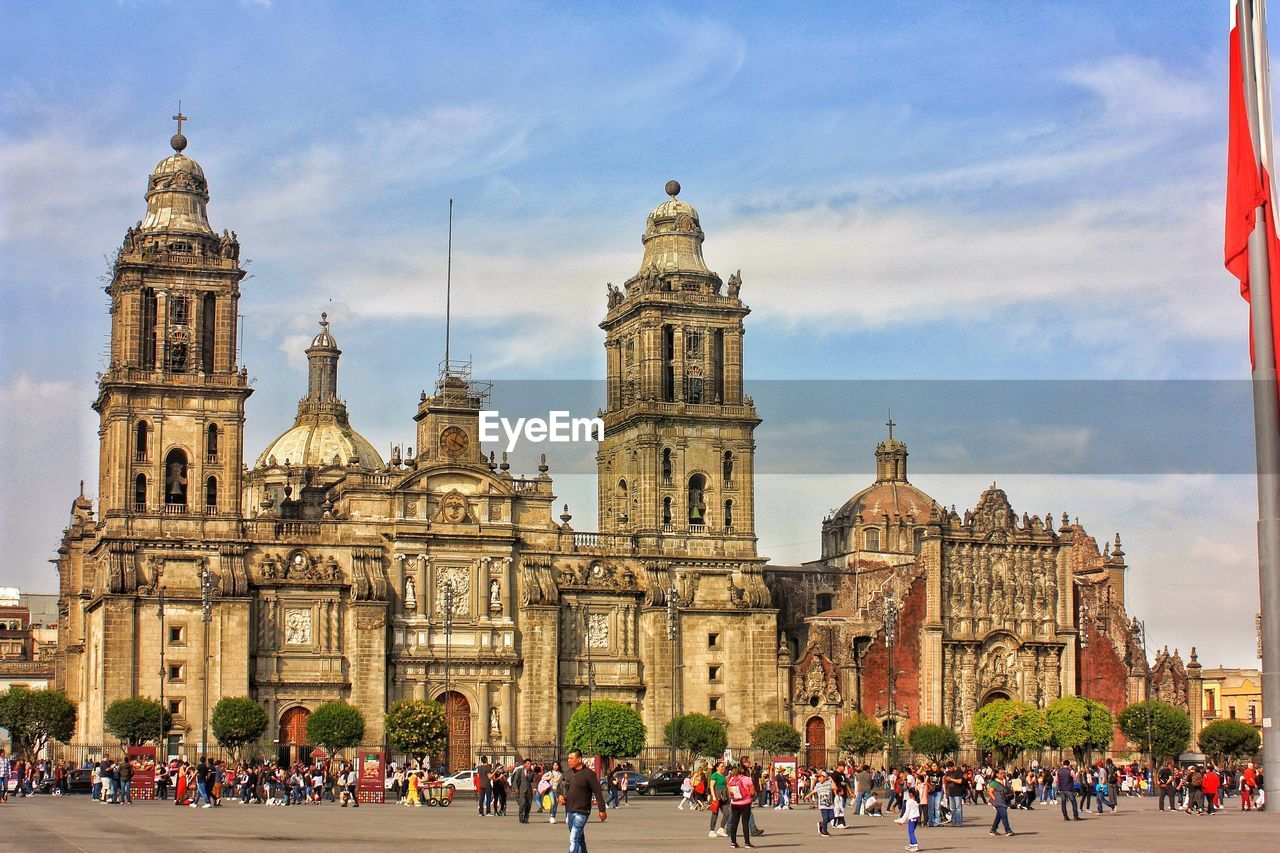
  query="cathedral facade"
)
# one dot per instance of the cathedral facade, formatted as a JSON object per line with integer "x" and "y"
{"x": 326, "y": 572}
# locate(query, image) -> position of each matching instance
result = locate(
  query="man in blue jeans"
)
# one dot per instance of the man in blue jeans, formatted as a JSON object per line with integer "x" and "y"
{"x": 953, "y": 781}
{"x": 580, "y": 786}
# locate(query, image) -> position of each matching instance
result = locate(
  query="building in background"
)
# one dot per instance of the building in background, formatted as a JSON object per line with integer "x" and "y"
{"x": 1232, "y": 694}
{"x": 27, "y": 644}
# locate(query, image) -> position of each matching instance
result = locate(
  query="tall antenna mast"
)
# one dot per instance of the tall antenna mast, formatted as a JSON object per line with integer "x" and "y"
{"x": 448, "y": 289}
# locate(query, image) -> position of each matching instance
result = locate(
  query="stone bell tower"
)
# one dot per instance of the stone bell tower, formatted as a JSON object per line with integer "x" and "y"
{"x": 677, "y": 457}
{"x": 172, "y": 399}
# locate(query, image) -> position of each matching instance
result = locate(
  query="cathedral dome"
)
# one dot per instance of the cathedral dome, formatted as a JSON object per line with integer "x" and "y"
{"x": 673, "y": 238}
{"x": 321, "y": 434}
{"x": 890, "y": 494}
{"x": 177, "y": 193}
{"x": 315, "y": 441}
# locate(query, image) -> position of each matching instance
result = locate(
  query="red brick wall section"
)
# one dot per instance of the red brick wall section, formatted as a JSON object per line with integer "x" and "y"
{"x": 906, "y": 659}
{"x": 1103, "y": 676}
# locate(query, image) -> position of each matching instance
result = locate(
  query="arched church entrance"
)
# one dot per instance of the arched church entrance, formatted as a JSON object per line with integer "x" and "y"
{"x": 995, "y": 695}
{"x": 293, "y": 737}
{"x": 457, "y": 712}
{"x": 815, "y": 737}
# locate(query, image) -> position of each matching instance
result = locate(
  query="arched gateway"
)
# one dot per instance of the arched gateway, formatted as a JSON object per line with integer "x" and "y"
{"x": 293, "y": 736}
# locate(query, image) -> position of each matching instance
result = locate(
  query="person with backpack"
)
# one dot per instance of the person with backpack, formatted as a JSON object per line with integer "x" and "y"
{"x": 1065, "y": 782}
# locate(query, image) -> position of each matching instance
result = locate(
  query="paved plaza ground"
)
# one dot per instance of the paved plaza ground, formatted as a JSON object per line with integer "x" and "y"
{"x": 650, "y": 824}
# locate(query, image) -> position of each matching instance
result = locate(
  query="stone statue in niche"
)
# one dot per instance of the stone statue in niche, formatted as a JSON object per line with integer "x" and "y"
{"x": 495, "y": 729}
{"x": 410, "y": 594}
{"x": 495, "y": 597}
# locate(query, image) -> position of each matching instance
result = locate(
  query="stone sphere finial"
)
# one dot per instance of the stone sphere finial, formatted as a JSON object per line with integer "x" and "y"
{"x": 673, "y": 188}
{"x": 178, "y": 142}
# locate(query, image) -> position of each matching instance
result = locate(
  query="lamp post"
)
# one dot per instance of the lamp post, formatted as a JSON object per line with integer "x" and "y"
{"x": 206, "y": 616}
{"x": 591, "y": 679}
{"x": 448, "y": 643}
{"x": 1146, "y": 694}
{"x": 673, "y": 634}
{"x": 160, "y": 616}
{"x": 890, "y": 638}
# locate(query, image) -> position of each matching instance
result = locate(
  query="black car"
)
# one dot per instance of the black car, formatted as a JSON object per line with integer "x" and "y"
{"x": 665, "y": 782}
{"x": 78, "y": 782}
{"x": 637, "y": 783}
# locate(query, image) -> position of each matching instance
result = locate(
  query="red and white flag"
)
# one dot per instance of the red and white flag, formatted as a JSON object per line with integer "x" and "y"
{"x": 1249, "y": 160}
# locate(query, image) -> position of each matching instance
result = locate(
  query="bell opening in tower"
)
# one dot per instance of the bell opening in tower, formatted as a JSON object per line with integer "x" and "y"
{"x": 697, "y": 499}
{"x": 175, "y": 480}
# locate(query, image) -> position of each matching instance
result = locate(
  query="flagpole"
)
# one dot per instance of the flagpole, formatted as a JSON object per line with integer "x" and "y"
{"x": 1266, "y": 406}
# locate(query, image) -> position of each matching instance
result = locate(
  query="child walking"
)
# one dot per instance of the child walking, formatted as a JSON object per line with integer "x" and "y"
{"x": 911, "y": 817}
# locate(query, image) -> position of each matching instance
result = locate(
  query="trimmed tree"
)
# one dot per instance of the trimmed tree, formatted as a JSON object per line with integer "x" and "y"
{"x": 606, "y": 728}
{"x": 1167, "y": 728}
{"x": 236, "y": 721}
{"x": 698, "y": 735}
{"x": 417, "y": 726}
{"x": 776, "y": 738}
{"x": 336, "y": 726}
{"x": 136, "y": 720}
{"x": 860, "y": 735}
{"x": 1080, "y": 725}
{"x": 35, "y": 717}
{"x": 1227, "y": 739}
{"x": 1008, "y": 728}
{"x": 933, "y": 741}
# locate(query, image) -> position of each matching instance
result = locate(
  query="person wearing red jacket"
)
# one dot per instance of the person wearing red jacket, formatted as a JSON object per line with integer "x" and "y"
{"x": 1248, "y": 784}
{"x": 1210, "y": 785}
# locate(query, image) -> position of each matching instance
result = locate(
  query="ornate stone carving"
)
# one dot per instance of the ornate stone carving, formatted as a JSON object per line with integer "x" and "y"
{"x": 454, "y": 508}
{"x": 458, "y": 577}
{"x": 598, "y": 630}
{"x": 298, "y": 627}
{"x": 372, "y": 621}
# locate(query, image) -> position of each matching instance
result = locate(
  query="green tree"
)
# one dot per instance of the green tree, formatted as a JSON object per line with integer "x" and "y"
{"x": 860, "y": 735}
{"x": 697, "y": 735}
{"x": 417, "y": 726}
{"x": 776, "y": 738}
{"x": 1227, "y": 739}
{"x": 1080, "y": 725}
{"x": 236, "y": 721}
{"x": 35, "y": 717}
{"x": 336, "y": 726}
{"x": 136, "y": 720}
{"x": 933, "y": 741}
{"x": 1168, "y": 729}
{"x": 607, "y": 728}
{"x": 1009, "y": 728}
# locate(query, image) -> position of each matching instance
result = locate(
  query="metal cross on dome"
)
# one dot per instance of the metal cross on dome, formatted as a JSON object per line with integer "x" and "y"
{"x": 179, "y": 118}
{"x": 890, "y": 424}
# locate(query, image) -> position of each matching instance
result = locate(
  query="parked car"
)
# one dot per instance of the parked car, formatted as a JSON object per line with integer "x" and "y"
{"x": 463, "y": 780}
{"x": 637, "y": 783}
{"x": 664, "y": 782}
{"x": 78, "y": 782}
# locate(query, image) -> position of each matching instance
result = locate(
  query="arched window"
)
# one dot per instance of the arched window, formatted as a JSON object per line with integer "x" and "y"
{"x": 697, "y": 499}
{"x": 666, "y": 512}
{"x": 175, "y": 479}
{"x": 917, "y": 540}
{"x": 211, "y": 443}
{"x": 871, "y": 539}
{"x": 728, "y": 515}
{"x": 140, "y": 436}
{"x": 624, "y": 501}
{"x": 666, "y": 464}
{"x": 211, "y": 494}
{"x": 140, "y": 493}
{"x": 727, "y": 464}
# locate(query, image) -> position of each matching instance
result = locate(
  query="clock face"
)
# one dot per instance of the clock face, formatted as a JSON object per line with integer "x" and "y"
{"x": 454, "y": 442}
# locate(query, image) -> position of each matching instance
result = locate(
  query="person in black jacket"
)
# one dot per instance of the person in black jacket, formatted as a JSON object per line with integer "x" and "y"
{"x": 579, "y": 787}
{"x": 522, "y": 784}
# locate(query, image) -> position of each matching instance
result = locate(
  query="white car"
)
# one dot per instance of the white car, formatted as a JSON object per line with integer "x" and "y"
{"x": 463, "y": 780}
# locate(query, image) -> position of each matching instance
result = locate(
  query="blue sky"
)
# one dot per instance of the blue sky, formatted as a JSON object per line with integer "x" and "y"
{"x": 913, "y": 191}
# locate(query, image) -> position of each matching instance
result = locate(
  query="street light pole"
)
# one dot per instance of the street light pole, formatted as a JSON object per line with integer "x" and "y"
{"x": 1146, "y": 694}
{"x": 163, "y": 643}
{"x": 206, "y": 616}
{"x": 673, "y": 633}
{"x": 890, "y": 636}
{"x": 591, "y": 680}
{"x": 448, "y": 641}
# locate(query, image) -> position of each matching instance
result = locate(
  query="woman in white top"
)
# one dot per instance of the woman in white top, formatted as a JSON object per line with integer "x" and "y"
{"x": 911, "y": 817}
